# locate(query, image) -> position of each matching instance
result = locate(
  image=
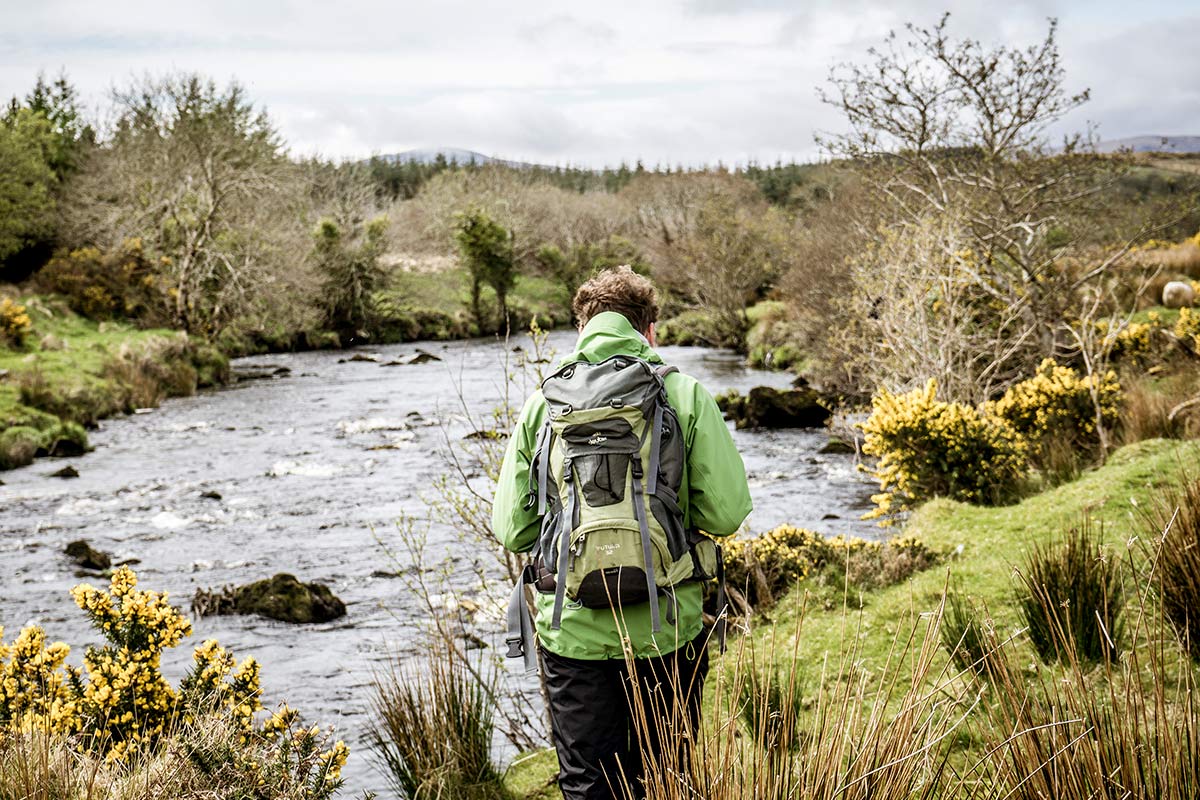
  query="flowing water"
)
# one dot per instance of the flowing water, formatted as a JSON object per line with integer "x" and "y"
{"x": 312, "y": 469}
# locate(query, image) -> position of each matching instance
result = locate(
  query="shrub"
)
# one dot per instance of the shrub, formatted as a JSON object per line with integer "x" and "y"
{"x": 1073, "y": 597}
{"x": 1174, "y": 522}
{"x": 15, "y": 323}
{"x": 120, "y": 705}
{"x": 1187, "y": 327}
{"x": 431, "y": 729}
{"x": 1055, "y": 410}
{"x": 118, "y": 284}
{"x": 929, "y": 448}
{"x": 768, "y": 565}
{"x": 700, "y": 327}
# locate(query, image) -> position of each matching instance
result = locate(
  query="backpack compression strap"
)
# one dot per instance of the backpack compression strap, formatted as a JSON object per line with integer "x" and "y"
{"x": 566, "y": 524}
{"x": 639, "y": 511}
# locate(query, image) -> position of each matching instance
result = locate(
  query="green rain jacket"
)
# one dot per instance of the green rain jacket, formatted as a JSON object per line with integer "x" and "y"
{"x": 713, "y": 495}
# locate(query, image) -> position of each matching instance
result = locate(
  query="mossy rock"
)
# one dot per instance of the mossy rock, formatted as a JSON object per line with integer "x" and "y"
{"x": 285, "y": 598}
{"x": 19, "y": 446}
{"x": 67, "y": 441}
{"x": 765, "y": 407}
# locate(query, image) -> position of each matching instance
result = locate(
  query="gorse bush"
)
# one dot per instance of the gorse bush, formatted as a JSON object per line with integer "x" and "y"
{"x": 1072, "y": 592}
{"x": 1187, "y": 327}
{"x": 15, "y": 323}
{"x": 121, "y": 283}
{"x": 930, "y": 448}
{"x": 120, "y": 711}
{"x": 767, "y": 565}
{"x": 1057, "y": 407}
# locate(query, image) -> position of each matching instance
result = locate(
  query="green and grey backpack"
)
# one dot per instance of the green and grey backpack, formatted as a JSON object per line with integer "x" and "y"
{"x": 605, "y": 479}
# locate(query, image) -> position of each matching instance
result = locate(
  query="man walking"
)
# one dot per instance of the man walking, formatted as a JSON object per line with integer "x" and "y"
{"x": 598, "y": 618}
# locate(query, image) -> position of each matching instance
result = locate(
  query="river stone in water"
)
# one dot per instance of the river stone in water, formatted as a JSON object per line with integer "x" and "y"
{"x": 765, "y": 407}
{"x": 282, "y": 597}
{"x": 87, "y": 557}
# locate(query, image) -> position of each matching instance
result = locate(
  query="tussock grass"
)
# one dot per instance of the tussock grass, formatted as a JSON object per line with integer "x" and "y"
{"x": 1072, "y": 592}
{"x": 431, "y": 729}
{"x": 1173, "y": 521}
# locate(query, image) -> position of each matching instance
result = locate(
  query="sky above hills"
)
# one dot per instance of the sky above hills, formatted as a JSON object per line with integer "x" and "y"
{"x": 667, "y": 82}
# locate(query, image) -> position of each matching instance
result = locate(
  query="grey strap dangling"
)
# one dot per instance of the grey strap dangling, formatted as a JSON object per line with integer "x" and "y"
{"x": 520, "y": 627}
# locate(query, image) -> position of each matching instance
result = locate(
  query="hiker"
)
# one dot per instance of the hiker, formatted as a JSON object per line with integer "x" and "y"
{"x": 618, "y": 468}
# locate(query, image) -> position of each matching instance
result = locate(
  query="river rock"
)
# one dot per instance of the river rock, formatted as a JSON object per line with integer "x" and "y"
{"x": 66, "y": 472}
{"x": 87, "y": 557}
{"x": 357, "y": 357}
{"x": 258, "y": 372}
{"x": 1177, "y": 294}
{"x": 836, "y": 447}
{"x": 211, "y": 495}
{"x": 765, "y": 407}
{"x": 419, "y": 357}
{"x": 282, "y": 597}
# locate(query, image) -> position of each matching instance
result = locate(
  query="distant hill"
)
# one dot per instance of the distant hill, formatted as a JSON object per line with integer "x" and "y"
{"x": 428, "y": 155}
{"x": 1153, "y": 144}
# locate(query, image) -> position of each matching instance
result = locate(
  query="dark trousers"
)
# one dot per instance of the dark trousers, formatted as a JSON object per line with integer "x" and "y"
{"x": 593, "y": 708}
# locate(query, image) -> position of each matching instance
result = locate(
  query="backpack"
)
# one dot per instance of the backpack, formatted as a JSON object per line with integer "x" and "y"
{"x": 605, "y": 479}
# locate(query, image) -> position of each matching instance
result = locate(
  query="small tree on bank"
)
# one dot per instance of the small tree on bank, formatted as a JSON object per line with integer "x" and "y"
{"x": 351, "y": 276}
{"x": 487, "y": 252}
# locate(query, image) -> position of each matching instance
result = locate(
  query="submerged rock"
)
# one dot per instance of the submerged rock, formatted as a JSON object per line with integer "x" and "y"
{"x": 87, "y": 557}
{"x": 66, "y": 472}
{"x": 419, "y": 357}
{"x": 258, "y": 372}
{"x": 367, "y": 357}
{"x": 765, "y": 407}
{"x": 282, "y": 597}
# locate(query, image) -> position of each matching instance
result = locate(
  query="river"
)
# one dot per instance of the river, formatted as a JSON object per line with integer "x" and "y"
{"x": 312, "y": 469}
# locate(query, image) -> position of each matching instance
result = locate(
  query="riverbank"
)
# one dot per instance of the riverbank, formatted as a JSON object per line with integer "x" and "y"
{"x": 981, "y": 546}
{"x": 71, "y": 372}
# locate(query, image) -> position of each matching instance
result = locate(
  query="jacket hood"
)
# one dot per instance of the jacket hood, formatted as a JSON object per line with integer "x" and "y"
{"x": 609, "y": 334}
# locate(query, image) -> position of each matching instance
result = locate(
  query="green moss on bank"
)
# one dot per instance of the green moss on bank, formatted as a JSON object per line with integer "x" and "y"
{"x": 73, "y": 371}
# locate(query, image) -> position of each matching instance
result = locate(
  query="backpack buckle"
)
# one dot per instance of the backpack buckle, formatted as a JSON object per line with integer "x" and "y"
{"x": 515, "y": 648}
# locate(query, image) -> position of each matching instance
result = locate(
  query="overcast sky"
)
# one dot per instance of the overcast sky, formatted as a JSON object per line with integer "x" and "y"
{"x": 567, "y": 82}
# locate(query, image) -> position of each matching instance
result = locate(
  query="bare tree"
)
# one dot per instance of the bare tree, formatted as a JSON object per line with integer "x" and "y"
{"x": 199, "y": 175}
{"x": 951, "y": 128}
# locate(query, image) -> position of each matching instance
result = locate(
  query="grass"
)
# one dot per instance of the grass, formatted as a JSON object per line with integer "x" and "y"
{"x": 985, "y": 544}
{"x": 74, "y": 370}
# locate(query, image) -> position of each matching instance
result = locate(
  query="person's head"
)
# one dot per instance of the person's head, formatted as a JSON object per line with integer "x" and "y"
{"x": 622, "y": 290}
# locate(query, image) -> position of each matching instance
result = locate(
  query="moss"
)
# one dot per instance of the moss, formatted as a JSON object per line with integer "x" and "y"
{"x": 18, "y": 446}
{"x": 285, "y": 598}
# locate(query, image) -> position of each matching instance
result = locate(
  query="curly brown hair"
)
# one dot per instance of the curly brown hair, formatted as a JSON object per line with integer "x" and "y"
{"x": 618, "y": 289}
